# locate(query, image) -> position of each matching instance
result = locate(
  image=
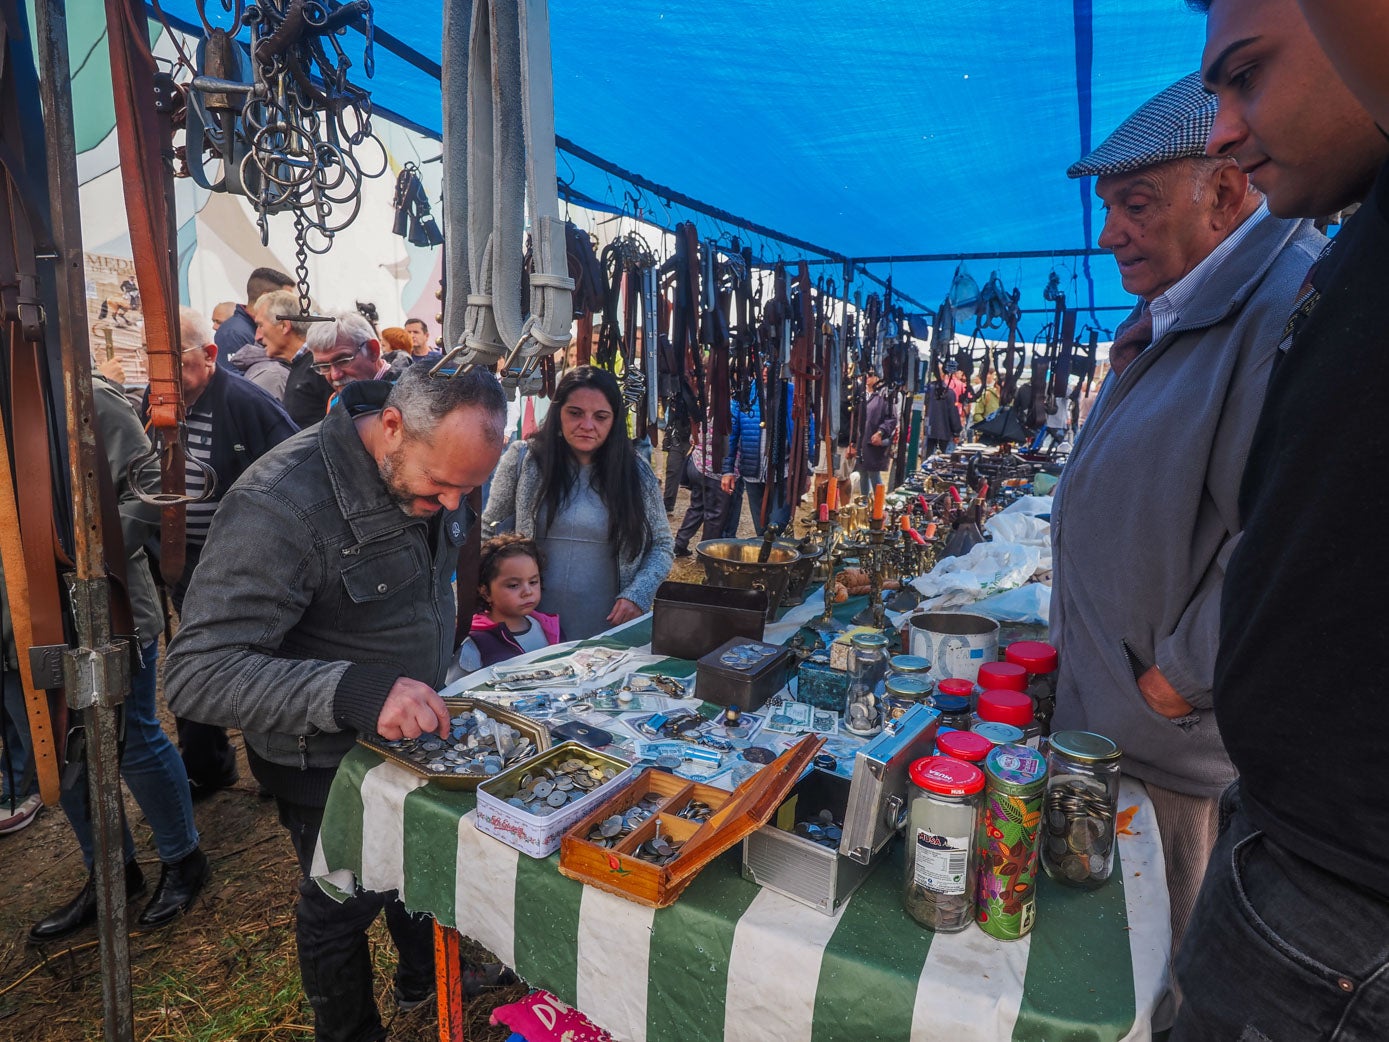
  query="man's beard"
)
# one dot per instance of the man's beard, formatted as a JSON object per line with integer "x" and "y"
{"x": 400, "y": 495}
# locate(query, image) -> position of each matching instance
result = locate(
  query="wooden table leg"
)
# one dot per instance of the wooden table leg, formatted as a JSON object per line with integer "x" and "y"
{"x": 448, "y": 978}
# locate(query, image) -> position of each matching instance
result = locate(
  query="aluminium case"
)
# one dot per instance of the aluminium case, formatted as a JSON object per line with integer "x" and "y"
{"x": 878, "y": 792}
{"x": 798, "y": 868}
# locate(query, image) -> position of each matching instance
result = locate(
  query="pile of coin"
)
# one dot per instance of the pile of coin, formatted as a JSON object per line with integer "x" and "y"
{"x": 613, "y": 829}
{"x": 477, "y": 744}
{"x": 821, "y": 830}
{"x": 659, "y": 849}
{"x": 745, "y": 656}
{"x": 1079, "y": 822}
{"x": 545, "y": 790}
{"x": 695, "y": 810}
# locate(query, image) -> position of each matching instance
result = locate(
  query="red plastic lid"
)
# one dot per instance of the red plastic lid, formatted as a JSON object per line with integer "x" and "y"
{"x": 955, "y": 686}
{"x": 964, "y": 745}
{"x": 1005, "y": 707}
{"x": 941, "y": 774}
{"x": 1035, "y": 656}
{"x": 1002, "y": 675}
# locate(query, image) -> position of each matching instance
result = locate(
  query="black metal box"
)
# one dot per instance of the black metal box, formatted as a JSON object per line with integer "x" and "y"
{"x": 743, "y": 673}
{"x": 689, "y": 620}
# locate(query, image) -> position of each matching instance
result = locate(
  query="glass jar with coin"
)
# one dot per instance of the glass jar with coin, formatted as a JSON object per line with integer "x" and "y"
{"x": 863, "y": 709}
{"x": 945, "y": 796}
{"x": 908, "y": 666}
{"x": 903, "y": 691}
{"x": 1079, "y": 811}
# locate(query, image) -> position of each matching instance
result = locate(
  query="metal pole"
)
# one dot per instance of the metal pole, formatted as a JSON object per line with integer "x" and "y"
{"x": 96, "y": 673}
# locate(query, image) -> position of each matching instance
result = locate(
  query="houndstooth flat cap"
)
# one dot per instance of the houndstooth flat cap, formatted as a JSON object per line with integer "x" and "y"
{"x": 1171, "y": 125}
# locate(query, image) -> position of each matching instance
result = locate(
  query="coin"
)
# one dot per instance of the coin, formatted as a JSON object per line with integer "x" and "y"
{"x": 557, "y": 799}
{"x": 758, "y": 754}
{"x": 1075, "y": 868}
{"x": 543, "y": 788}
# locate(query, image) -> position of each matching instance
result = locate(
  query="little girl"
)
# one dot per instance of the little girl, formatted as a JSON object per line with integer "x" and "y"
{"x": 509, "y": 588}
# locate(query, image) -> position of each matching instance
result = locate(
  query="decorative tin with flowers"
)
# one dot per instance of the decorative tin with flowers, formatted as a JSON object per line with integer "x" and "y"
{"x": 1015, "y": 779}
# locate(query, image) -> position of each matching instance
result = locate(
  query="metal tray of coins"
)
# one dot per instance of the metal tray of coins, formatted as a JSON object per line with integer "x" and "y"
{"x": 531, "y": 806}
{"x": 483, "y": 741}
{"x": 649, "y": 842}
{"x": 797, "y": 853}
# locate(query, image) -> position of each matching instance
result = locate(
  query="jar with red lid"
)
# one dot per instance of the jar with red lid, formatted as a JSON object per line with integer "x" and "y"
{"x": 1039, "y": 659}
{"x": 964, "y": 745}
{"x": 942, "y": 819}
{"x": 997, "y": 676}
{"x": 1009, "y": 707}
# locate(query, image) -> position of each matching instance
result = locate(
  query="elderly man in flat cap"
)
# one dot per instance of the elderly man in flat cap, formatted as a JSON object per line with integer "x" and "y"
{"x": 1146, "y": 513}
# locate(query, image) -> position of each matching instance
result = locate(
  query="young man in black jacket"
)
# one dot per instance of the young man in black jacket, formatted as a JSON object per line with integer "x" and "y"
{"x": 1290, "y": 935}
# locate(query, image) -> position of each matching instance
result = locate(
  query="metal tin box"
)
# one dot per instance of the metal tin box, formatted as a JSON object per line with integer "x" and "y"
{"x": 800, "y": 868}
{"x": 534, "y": 834}
{"x": 878, "y": 793}
{"x": 690, "y": 619}
{"x": 726, "y": 683}
{"x": 538, "y": 733}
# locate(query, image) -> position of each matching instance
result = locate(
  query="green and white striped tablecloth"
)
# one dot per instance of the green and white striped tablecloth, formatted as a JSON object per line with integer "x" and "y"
{"x": 732, "y": 961}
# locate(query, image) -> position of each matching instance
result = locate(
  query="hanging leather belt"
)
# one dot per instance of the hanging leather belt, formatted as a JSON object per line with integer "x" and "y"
{"x": 145, "y": 138}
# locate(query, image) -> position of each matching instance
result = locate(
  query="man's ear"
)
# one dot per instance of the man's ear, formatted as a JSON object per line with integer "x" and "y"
{"x": 1231, "y": 190}
{"x": 374, "y": 349}
{"x": 392, "y": 425}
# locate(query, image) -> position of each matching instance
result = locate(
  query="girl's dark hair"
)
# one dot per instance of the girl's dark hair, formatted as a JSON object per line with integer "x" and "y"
{"x": 615, "y": 475}
{"x": 498, "y": 549}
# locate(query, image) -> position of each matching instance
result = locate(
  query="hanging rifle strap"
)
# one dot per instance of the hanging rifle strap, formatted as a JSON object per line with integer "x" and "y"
{"x": 145, "y": 139}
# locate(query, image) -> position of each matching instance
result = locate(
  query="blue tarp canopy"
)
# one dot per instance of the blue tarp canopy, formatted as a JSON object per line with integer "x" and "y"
{"x": 871, "y": 128}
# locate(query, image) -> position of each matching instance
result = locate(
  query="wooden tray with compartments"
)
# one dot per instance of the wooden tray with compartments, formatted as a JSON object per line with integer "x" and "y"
{"x": 734, "y": 815}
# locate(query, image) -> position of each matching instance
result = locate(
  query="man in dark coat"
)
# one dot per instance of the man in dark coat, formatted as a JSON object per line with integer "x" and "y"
{"x": 875, "y": 443}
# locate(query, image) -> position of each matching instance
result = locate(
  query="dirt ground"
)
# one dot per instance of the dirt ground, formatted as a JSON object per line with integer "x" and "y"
{"x": 226, "y": 971}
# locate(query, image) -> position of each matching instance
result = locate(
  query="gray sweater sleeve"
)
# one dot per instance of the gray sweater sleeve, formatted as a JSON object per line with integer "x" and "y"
{"x": 499, "y": 513}
{"x": 258, "y": 574}
{"x": 660, "y": 555}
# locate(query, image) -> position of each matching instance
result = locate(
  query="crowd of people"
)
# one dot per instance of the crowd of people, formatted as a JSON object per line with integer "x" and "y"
{"x": 1194, "y": 569}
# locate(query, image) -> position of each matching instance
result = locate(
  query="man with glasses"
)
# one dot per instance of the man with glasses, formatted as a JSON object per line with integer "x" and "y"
{"x": 346, "y": 350}
{"x": 231, "y": 423}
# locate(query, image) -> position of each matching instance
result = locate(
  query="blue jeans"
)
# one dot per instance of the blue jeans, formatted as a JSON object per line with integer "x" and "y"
{"x": 16, "y": 758}
{"x": 1280, "y": 949}
{"x": 778, "y": 510}
{"x": 152, "y": 768}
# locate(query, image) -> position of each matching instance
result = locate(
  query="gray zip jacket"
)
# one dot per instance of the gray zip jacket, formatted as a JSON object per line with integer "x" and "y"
{"x": 1146, "y": 514}
{"x": 315, "y": 592}
{"x": 514, "y": 502}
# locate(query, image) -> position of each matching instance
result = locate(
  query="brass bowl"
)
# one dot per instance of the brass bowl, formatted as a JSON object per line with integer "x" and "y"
{"x": 801, "y": 571}
{"x": 733, "y": 563}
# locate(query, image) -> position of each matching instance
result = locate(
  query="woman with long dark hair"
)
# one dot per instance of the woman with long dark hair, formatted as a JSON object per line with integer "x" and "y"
{"x": 578, "y": 487}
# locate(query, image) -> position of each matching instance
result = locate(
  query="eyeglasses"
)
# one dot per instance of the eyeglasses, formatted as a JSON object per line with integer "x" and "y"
{"x": 341, "y": 362}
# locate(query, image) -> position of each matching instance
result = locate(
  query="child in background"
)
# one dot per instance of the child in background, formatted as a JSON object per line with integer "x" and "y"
{"x": 509, "y": 587}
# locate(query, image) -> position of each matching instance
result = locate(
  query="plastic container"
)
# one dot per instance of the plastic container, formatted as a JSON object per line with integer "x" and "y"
{"x": 942, "y": 820}
{"x": 863, "y": 708}
{"x": 1009, "y": 707}
{"x": 1015, "y": 783}
{"x": 1039, "y": 659}
{"x": 1002, "y": 676}
{"x": 1082, "y": 803}
{"x": 963, "y": 745}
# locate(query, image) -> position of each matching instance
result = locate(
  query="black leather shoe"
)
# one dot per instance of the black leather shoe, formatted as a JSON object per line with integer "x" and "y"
{"x": 179, "y": 884}
{"x": 81, "y": 911}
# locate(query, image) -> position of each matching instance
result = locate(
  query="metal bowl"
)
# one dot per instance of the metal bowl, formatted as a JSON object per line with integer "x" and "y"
{"x": 733, "y": 563}
{"x": 801, "y": 571}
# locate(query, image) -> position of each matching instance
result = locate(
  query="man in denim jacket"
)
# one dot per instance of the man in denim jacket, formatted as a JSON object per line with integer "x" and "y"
{"x": 323, "y": 607}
